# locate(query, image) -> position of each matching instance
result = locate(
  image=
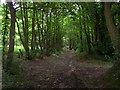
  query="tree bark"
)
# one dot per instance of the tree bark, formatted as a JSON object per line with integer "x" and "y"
{"x": 110, "y": 25}
{"x": 20, "y": 34}
{"x": 25, "y": 44}
{"x": 26, "y": 30}
{"x": 33, "y": 30}
{"x": 4, "y": 37}
{"x": 113, "y": 32}
{"x": 42, "y": 33}
{"x": 12, "y": 32}
{"x": 39, "y": 32}
{"x": 85, "y": 30}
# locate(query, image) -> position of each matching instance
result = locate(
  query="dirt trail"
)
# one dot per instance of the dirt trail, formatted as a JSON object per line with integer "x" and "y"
{"x": 62, "y": 72}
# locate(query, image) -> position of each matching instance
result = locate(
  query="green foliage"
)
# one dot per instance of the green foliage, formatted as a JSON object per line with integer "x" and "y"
{"x": 9, "y": 81}
{"x": 58, "y": 53}
{"x": 112, "y": 78}
{"x": 14, "y": 76}
{"x": 79, "y": 49}
{"x": 53, "y": 26}
{"x": 58, "y": 25}
{"x": 93, "y": 58}
{"x": 87, "y": 56}
{"x": 35, "y": 54}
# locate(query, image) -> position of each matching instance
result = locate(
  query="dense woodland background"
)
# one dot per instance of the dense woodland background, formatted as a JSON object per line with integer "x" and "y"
{"x": 33, "y": 30}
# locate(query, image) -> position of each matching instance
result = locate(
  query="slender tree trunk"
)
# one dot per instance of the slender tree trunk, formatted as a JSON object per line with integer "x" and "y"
{"x": 70, "y": 43}
{"x": 54, "y": 32}
{"x": 20, "y": 33}
{"x": 24, "y": 27}
{"x": 88, "y": 33}
{"x": 39, "y": 32}
{"x": 85, "y": 29}
{"x": 81, "y": 29}
{"x": 47, "y": 35}
{"x": 12, "y": 32}
{"x": 96, "y": 29}
{"x": 43, "y": 38}
{"x": 33, "y": 30}
{"x": 4, "y": 38}
{"x": 50, "y": 32}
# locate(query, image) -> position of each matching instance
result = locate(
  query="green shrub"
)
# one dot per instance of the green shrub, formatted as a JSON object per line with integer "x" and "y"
{"x": 112, "y": 78}
{"x": 13, "y": 77}
{"x": 9, "y": 81}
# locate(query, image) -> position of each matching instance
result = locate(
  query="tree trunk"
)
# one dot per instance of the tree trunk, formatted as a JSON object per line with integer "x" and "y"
{"x": 113, "y": 32}
{"x": 33, "y": 30}
{"x": 20, "y": 33}
{"x": 12, "y": 32}
{"x": 25, "y": 29}
{"x": 39, "y": 32}
{"x": 42, "y": 33}
{"x": 47, "y": 35}
{"x": 110, "y": 25}
{"x": 81, "y": 29}
{"x": 4, "y": 38}
{"x": 85, "y": 30}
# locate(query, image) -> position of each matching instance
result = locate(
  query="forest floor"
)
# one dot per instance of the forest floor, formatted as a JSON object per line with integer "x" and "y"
{"x": 64, "y": 71}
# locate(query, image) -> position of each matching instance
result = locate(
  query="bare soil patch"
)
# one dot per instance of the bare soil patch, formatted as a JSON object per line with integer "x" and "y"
{"x": 63, "y": 71}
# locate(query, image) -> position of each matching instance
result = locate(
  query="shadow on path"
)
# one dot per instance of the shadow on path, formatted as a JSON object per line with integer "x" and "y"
{"x": 61, "y": 72}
